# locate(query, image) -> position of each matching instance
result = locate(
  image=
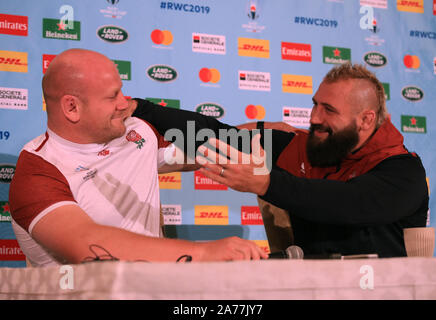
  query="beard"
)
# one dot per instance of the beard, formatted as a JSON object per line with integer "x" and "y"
{"x": 330, "y": 152}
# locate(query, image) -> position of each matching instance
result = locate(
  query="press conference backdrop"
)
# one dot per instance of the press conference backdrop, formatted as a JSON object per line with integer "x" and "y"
{"x": 236, "y": 60}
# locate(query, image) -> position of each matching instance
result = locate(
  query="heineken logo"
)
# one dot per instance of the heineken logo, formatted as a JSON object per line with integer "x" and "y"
{"x": 6, "y": 173}
{"x": 112, "y": 34}
{"x": 413, "y": 124}
{"x": 210, "y": 109}
{"x": 124, "y": 69}
{"x": 169, "y": 103}
{"x": 336, "y": 55}
{"x": 5, "y": 212}
{"x": 387, "y": 90}
{"x": 162, "y": 73}
{"x": 57, "y": 29}
{"x": 375, "y": 59}
{"x": 412, "y": 93}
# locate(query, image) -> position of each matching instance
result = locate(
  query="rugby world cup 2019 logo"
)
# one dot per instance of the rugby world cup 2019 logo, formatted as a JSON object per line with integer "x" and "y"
{"x": 252, "y": 11}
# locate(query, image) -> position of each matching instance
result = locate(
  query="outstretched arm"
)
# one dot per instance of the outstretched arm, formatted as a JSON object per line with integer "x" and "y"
{"x": 70, "y": 234}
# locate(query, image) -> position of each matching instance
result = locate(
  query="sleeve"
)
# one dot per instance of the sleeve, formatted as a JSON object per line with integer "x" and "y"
{"x": 188, "y": 130}
{"x": 394, "y": 189}
{"x": 37, "y": 188}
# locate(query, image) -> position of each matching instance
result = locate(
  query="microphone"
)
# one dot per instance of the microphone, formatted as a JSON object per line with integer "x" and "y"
{"x": 292, "y": 252}
{"x": 295, "y": 252}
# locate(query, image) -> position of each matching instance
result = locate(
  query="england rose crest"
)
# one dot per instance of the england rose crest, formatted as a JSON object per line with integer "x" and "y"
{"x": 135, "y": 137}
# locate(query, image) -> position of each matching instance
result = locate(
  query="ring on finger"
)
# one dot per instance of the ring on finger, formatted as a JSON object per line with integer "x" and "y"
{"x": 222, "y": 172}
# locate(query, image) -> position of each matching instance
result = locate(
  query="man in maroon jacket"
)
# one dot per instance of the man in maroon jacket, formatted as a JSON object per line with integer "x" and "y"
{"x": 349, "y": 184}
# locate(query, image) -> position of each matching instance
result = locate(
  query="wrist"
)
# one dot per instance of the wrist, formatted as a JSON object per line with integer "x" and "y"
{"x": 263, "y": 184}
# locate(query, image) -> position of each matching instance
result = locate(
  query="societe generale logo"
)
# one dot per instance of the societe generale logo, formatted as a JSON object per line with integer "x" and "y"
{"x": 257, "y": 48}
{"x": 13, "y": 61}
{"x": 297, "y": 84}
{"x": 14, "y": 25}
{"x": 211, "y": 215}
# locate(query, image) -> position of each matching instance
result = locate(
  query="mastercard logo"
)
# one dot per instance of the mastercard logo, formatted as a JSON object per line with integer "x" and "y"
{"x": 209, "y": 75}
{"x": 411, "y": 62}
{"x": 255, "y": 112}
{"x": 164, "y": 37}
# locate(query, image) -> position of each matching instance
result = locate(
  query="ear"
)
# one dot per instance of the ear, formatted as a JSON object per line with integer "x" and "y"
{"x": 367, "y": 119}
{"x": 71, "y": 107}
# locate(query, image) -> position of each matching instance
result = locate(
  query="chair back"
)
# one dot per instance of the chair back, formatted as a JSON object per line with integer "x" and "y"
{"x": 419, "y": 242}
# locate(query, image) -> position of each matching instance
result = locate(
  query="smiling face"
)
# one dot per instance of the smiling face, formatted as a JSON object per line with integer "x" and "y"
{"x": 82, "y": 89}
{"x": 104, "y": 108}
{"x": 334, "y": 131}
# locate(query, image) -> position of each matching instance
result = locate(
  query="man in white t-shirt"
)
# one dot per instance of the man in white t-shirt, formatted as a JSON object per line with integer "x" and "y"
{"x": 89, "y": 187}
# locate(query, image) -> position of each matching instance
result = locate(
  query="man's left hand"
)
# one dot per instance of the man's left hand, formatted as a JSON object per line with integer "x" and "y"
{"x": 239, "y": 171}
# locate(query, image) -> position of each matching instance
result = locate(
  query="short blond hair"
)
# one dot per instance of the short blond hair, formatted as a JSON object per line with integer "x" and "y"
{"x": 348, "y": 71}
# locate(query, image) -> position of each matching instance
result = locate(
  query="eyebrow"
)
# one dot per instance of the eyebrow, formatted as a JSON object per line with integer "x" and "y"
{"x": 326, "y": 105}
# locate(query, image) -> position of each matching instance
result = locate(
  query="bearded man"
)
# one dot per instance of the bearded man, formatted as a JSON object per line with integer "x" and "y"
{"x": 349, "y": 184}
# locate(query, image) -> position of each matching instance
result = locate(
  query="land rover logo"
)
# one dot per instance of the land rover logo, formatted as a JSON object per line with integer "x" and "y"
{"x": 162, "y": 73}
{"x": 412, "y": 93}
{"x": 210, "y": 109}
{"x": 375, "y": 59}
{"x": 112, "y": 34}
{"x": 6, "y": 172}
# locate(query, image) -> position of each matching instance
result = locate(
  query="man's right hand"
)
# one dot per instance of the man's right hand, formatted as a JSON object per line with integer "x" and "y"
{"x": 228, "y": 249}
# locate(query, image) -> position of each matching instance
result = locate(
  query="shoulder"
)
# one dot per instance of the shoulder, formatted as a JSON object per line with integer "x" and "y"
{"x": 408, "y": 164}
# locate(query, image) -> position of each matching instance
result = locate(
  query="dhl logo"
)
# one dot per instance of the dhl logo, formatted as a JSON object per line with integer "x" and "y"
{"x": 217, "y": 215}
{"x": 170, "y": 180}
{"x": 13, "y": 61}
{"x": 297, "y": 84}
{"x": 253, "y": 48}
{"x": 411, "y": 6}
{"x": 263, "y": 244}
{"x": 211, "y": 215}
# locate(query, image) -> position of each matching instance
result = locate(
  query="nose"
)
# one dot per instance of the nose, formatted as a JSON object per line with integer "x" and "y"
{"x": 122, "y": 102}
{"x": 315, "y": 116}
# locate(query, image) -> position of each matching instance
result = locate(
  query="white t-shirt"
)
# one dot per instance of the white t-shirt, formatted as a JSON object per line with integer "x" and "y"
{"x": 116, "y": 183}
